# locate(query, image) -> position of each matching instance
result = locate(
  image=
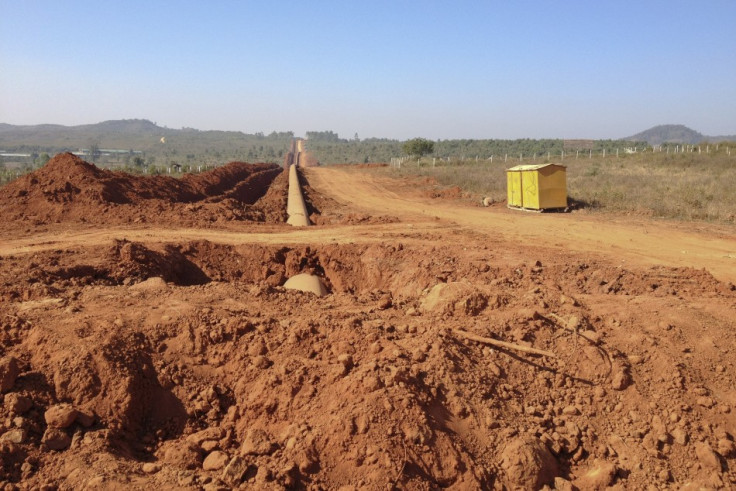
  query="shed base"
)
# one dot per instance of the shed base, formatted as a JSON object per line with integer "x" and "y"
{"x": 539, "y": 210}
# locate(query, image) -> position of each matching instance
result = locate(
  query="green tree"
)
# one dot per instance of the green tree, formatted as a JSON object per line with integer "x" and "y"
{"x": 418, "y": 147}
{"x": 43, "y": 158}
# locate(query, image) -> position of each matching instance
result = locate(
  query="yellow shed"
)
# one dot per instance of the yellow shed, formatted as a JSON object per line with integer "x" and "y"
{"x": 537, "y": 187}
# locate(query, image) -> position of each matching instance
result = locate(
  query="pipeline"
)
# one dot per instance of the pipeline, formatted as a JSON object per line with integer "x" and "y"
{"x": 296, "y": 208}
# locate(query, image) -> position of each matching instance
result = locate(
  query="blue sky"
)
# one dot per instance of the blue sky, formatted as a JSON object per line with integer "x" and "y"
{"x": 396, "y": 69}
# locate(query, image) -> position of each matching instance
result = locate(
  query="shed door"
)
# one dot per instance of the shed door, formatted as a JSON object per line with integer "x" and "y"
{"x": 530, "y": 189}
{"x": 513, "y": 183}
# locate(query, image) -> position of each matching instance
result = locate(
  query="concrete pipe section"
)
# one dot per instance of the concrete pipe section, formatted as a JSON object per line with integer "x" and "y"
{"x": 296, "y": 208}
{"x": 306, "y": 283}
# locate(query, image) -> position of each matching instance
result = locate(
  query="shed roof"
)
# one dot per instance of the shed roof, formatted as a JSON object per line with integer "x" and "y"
{"x": 535, "y": 166}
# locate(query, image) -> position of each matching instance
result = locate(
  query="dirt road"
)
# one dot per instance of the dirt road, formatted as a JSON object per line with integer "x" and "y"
{"x": 633, "y": 241}
{"x": 628, "y": 241}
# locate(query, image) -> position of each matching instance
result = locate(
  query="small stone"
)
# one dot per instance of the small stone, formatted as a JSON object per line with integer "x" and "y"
{"x": 307, "y": 461}
{"x": 16, "y": 403}
{"x": 60, "y": 416}
{"x": 528, "y": 464}
{"x": 211, "y": 433}
{"x": 209, "y": 445}
{"x": 385, "y": 301}
{"x": 263, "y": 475}
{"x": 346, "y": 360}
{"x": 562, "y": 484}
{"x": 621, "y": 380}
{"x": 371, "y": 383}
{"x": 55, "y": 439}
{"x": 257, "y": 348}
{"x": 235, "y": 471}
{"x": 184, "y": 454}
{"x": 707, "y": 456}
{"x": 85, "y": 418}
{"x": 727, "y": 448}
{"x": 151, "y": 467}
{"x": 494, "y": 369}
{"x": 599, "y": 393}
{"x": 9, "y": 371}
{"x": 16, "y": 435}
{"x": 680, "y": 436}
{"x": 215, "y": 461}
{"x": 570, "y": 411}
{"x": 261, "y": 362}
{"x": 257, "y": 442}
{"x": 599, "y": 476}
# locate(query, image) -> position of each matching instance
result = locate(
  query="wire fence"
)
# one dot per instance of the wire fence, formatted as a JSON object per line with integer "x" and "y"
{"x": 563, "y": 155}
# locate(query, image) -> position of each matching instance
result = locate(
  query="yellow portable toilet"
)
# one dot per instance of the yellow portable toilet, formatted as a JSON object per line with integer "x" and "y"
{"x": 537, "y": 187}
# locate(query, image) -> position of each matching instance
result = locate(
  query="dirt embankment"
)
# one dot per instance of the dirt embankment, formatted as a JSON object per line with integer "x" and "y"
{"x": 71, "y": 190}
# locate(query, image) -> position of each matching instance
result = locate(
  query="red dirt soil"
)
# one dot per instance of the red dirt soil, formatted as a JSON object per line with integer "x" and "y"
{"x": 184, "y": 363}
{"x": 69, "y": 189}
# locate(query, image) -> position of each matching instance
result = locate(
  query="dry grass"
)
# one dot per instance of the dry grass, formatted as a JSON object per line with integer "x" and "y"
{"x": 688, "y": 186}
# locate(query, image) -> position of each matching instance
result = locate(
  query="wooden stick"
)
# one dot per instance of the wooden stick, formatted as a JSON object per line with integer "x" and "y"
{"x": 503, "y": 344}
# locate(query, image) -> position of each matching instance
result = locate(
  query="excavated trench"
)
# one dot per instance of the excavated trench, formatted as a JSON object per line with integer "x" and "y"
{"x": 343, "y": 268}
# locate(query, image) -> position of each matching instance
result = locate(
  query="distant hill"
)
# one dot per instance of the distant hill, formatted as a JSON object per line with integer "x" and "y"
{"x": 139, "y": 134}
{"x": 676, "y": 133}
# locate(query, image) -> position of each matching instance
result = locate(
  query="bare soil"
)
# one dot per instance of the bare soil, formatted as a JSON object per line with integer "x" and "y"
{"x": 146, "y": 338}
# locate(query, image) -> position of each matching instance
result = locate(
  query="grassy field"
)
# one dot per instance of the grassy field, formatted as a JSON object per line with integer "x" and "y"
{"x": 685, "y": 186}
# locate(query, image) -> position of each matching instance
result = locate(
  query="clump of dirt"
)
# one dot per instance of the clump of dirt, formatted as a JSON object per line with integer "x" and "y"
{"x": 452, "y": 192}
{"x": 190, "y": 365}
{"x": 68, "y": 189}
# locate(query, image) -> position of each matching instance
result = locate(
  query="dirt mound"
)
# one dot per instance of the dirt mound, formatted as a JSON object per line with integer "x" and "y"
{"x": 190, "y": 365}
{"x": 70, "y": 189}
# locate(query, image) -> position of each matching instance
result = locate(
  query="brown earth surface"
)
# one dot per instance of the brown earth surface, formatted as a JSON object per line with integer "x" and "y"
{"x": 147, "y": 342}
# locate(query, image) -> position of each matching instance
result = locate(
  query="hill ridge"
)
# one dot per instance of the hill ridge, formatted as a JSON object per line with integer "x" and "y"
{"x": 676, "y": 133}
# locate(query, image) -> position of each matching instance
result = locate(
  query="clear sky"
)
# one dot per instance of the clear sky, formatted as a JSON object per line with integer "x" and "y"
{"x": 396, "y": 69}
